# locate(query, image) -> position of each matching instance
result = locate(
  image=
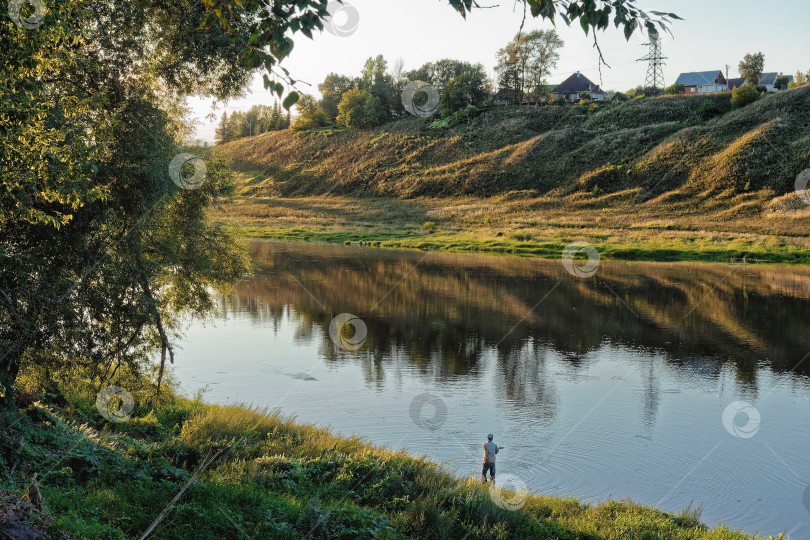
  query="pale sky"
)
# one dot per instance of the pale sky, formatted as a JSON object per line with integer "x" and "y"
{"x": 713, "y": 34}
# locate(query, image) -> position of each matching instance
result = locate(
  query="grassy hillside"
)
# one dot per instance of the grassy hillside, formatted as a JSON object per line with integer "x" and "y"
{"x": 712, "y": 183}
{"x": 274, "y": 479}
{"x": 654, "y": 144}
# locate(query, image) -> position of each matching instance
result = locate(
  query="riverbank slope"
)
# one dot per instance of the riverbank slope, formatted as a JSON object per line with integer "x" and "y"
{"x": 671, "y": 178}
{"x": 274, "y": 479}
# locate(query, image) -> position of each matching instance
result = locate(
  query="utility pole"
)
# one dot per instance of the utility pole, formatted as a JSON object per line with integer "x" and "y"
{"x": 655, "y": 70}
{"x": 728, "y": 84}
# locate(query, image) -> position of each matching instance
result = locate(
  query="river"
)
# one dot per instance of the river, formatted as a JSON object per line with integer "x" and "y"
{"x": 669, "y": 384}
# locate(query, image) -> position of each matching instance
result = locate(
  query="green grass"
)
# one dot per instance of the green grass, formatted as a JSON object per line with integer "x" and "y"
{"x": 524, "y": 244}
{"x": 277, "y": 479}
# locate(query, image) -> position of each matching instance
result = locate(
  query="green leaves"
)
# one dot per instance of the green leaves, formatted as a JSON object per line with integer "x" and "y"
{"x": 595, "y": 14}
{"x": 290, "y": 100}
{"x": 629, "y": 29}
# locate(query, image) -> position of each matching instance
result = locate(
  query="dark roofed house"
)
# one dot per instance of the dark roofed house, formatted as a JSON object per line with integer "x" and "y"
{"x": 577, "y": 84}
{"x": 736, "y": 83}
{"x": 703, "y": 82}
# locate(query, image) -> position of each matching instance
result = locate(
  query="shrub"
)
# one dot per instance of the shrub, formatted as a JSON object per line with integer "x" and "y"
{"x": 560, "y": 101}
{"x": 743, "y": 95}
{"x": 459, "y": 117}
{"x": 359, "y": 109}
{"x": 676, "y": 89}
{"x": 618, "y": 96}
{"x": 709, "y": 108}
{"x": 310, "y": 120}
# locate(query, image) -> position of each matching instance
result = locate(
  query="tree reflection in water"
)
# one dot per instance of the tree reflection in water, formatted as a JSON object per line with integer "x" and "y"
{"x": 440, "y": 312}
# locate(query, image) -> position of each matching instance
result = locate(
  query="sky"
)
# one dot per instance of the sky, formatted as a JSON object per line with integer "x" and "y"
{"x": 713, "y": 34}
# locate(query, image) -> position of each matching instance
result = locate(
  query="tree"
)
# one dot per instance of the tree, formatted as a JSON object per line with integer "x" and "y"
{"x": 310, "y": 114}
{"x": 251, "y": 122}
{"x": 676, "y": 89}
{"x": 752, "y": 66}
{"x": 104, "y": 251}
{"x": 743, "y": 95}
{"x": 332, "y": 89}
{"x": 375, "y": 79}
{"x": 781, "y": 82}
{"x": 543, "y": 57}
{"x": 223, "y": 131}
{"x": 461, "y": 92}
{"x": 525, "y": 62}
{"x": 359, "y": 109}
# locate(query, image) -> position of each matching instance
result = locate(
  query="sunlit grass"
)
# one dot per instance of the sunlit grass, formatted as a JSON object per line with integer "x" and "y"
{"x": 276, "y": 479}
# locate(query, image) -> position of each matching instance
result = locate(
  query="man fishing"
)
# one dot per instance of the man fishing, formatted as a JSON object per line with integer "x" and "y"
{"x": 490, "y": 449}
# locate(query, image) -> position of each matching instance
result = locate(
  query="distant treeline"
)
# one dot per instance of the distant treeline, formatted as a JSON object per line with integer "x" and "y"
{"x": 456, "y": 88}
{"x": 258, "y": 119}
{"x": 375, "y": 95}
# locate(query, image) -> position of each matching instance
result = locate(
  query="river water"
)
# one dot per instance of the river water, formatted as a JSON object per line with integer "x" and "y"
{"x": 669, "y": 384}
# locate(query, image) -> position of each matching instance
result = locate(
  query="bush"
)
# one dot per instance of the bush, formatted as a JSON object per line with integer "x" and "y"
{"x": 459, "y": 117}
{"x": 710, "y": 108}
{"x": 676, "y": 89}
{"x": 359, "y": 109}
{"x": 310, "y": 120}
{"x": 560, "y": 101}
{"x": 743, "y": 95}
{"x": 618, "y": 96}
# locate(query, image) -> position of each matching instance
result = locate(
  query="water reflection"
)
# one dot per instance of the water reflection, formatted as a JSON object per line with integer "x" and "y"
{"x": 442, "y": 311}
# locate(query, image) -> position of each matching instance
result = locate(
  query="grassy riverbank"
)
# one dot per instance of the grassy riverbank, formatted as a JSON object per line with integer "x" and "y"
{"x": 666, "y": 179}
{"x": 274, "y": 479}
{"x": 529, "y": 226}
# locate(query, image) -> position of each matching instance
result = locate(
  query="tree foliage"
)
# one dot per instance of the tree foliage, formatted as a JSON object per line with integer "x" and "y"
{"x": 676, "y": 89}
{"x": 255, "y": 121}
{"x": 332, "y": 89}
{"x": 379, "y": 83}
{"x": 781, "y": 82}
{"x": 743, "y": 95}
{"x": 360, "y": 109}
{"x": 462, "y": 91}
{"x": 752, "y": 66}
{"x": 525, "y": 62}
{"x": 310, "y": 114}
{"x": 101, "y": 253}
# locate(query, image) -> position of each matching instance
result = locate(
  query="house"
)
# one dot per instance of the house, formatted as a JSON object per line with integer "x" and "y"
{"x": 703, "y": 82}
{"x": 768, "y": 80}
{"x": 577, "y": 84}
{"x": 736, "y": 83}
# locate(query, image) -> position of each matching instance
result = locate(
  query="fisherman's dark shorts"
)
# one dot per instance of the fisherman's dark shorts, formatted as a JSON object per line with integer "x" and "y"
{"x": 488, "y": 467}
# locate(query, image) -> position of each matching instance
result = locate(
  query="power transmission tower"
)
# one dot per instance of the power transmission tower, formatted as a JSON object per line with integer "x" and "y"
{"x": 655, "y": 70}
